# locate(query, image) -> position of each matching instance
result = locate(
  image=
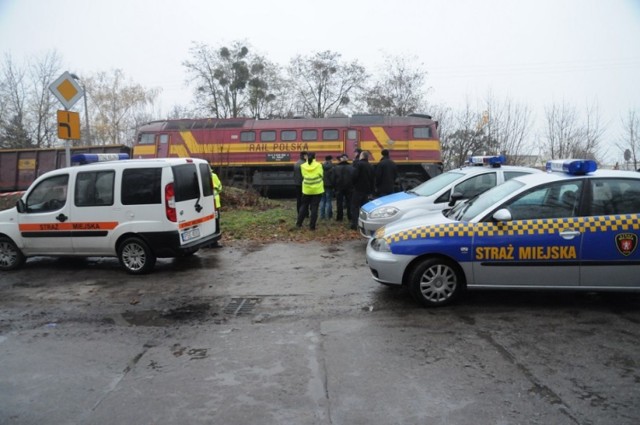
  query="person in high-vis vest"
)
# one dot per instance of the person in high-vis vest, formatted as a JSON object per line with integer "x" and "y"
{"x": 312, "y": 190}
{"x": 217, "y": 189}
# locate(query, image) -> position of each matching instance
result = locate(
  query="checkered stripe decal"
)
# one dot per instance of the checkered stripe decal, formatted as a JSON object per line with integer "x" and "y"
{"x": 614, "y": 223}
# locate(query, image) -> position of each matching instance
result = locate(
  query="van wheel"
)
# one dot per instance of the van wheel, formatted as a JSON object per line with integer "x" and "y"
{"x": 10, "y": 256}
{"x": 136, "y": 256}
{"x": 435, "y": 282}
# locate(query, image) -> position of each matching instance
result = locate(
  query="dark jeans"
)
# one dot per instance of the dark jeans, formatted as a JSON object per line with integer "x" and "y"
{"x": 343, "y": 200}
{"x": 358, "y": 199}
{"x": 309, "y": 201}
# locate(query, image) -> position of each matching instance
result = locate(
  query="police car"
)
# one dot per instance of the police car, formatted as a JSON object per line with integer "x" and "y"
{"x": 573, "y": 227}
{"x": 440, "y": 192}
{"x": 135, "y": 210}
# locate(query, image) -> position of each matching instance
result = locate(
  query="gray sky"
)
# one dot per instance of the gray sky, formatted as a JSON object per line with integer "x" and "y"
{"x": 534, "y": 52}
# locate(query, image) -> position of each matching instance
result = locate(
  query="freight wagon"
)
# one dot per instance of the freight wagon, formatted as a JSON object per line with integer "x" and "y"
{"x": 20, "y": 167}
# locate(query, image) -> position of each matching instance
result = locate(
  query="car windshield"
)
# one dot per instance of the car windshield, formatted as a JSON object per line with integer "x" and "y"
{"x": 433, "y": 185}
{"x": 474, "y": 206}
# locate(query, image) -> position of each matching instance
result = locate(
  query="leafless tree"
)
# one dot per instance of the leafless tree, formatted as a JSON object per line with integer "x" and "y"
{"x": 323, "y": 84}
{"x": 14, "y": 132}
{"x": 466, "y": 137}
{"x": 566, "y": 137}
{"x": 631, "y": 139}
{"x": 508, "y": 125}
{"x": 399, "y": 89}
{"x": 119, "y": 107}
{"x": 42, "y": 105}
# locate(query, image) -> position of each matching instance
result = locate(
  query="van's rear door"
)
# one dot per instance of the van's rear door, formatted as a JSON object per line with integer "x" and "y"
{"x": 194, "y": 201}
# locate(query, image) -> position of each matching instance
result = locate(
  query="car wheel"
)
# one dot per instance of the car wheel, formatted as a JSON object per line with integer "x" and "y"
{"x": 10, "y": 256}
{"x": 136, "y": 256}
{"x": 435, "y": 282}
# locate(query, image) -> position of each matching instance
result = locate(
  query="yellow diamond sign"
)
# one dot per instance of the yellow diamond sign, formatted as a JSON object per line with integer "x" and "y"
{"x": 67, "y": 90}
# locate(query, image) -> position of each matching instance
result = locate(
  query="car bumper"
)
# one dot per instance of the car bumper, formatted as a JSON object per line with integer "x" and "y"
{"x": 386, "y": 267}
{"x": 368, "y": 228}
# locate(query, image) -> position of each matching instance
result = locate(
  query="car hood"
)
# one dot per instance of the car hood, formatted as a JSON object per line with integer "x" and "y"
{"x": 404, "y": 201}
{"x": 427, "y": 218}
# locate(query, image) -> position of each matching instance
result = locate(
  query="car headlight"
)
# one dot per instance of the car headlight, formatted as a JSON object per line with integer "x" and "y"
{"x": 384, "y": 212}
{"x": 380, "y": 245}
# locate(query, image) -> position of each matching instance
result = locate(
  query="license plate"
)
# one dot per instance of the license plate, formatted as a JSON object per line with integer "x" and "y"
{"x": 190, "y": 234}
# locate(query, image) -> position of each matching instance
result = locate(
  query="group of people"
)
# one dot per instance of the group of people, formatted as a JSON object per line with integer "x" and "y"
{"x": 352, "y": 184}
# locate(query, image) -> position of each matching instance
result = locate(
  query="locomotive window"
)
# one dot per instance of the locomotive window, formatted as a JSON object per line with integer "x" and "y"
{"x": 309, "y": 135}
{"x": 248, "y": 136}
{"x": 268, "y": 136}
{"x": 330, "y": 134}
{"x": 164, "y": 139}
{"x": 288, "y": 136}
{"x": 422, "y": 133}
{"x": 146, "y": 139}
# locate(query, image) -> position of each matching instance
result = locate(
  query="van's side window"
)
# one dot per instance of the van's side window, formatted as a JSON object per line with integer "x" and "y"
{"x": 48, "y": 195}
{"x": 186, "y": 184}
{"x": 207, "y": 183}
{"x": 94, "y": 188}
{"x": 141, "y": 186}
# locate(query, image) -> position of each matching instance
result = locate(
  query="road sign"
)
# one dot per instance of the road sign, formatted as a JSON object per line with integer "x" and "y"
{"x": 68, "y": 125}
{"x": 67, "y": 90}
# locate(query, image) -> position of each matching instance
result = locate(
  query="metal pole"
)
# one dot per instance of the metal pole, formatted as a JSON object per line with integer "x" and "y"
{"x": 86, "y": 109}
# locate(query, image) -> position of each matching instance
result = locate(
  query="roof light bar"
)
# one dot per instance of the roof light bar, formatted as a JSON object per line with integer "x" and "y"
{"x": 88, "y": 158}
{"x": 575, "y": 167}
{"x": 490, "y": 160}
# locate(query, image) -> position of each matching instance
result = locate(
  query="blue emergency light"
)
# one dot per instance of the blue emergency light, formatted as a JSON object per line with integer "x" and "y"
{"x": 490, "y": 160}
{"x": 576, "y": 167}
{"x": 88, "y": 158}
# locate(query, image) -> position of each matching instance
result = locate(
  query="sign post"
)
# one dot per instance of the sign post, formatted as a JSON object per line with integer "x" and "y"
{"x": 67, "y": 90}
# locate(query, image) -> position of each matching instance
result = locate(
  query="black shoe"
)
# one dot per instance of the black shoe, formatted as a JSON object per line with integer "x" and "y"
{"x": 354, "y": 227}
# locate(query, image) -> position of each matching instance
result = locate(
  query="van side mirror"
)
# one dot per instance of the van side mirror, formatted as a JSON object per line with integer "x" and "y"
{"x": 20, "y": 206}
{"x": 455, "y": 197}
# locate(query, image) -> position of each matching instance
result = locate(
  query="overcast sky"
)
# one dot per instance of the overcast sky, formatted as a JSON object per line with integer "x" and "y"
{"x": 534, "y": 52}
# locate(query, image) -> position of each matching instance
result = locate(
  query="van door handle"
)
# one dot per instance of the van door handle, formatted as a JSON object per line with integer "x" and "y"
{"x": 61, "y": 218}
{"x": 569, "y": 234}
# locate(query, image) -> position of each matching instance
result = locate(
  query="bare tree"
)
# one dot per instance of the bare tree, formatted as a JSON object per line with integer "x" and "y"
{"x": 14, "y": 131}
{"x": 230, "y": 82}
{"x": 508, "y": 125}
{"x": 400, "y": 88}
{"x": 567, "y": 138}
{"x": 466, "y": 137}
{"x": 42, "y": 104}
{"x": 119, "y": 106}
{"x": 631, "y": 140}
{"x": 323, "y": 84}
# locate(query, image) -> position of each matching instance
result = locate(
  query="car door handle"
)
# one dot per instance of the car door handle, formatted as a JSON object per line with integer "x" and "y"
{"x": 61, "y": 218}
{"x": 569, "y": 234}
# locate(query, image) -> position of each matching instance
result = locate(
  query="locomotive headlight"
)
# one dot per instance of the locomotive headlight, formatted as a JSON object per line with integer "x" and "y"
{"x": 384, "y": 212}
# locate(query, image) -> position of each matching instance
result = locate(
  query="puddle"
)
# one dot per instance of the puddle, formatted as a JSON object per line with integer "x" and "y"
{"x": 192, "y": 312}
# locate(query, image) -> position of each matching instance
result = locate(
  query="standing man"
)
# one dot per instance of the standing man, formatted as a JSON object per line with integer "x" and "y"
{"x": 326, "y": 207}
{"x": 363, "y": 186}
{"x": 297, "y": 179}
{"x": 344, "y": 187}
{"x": 312, "y": 190}
{"x": 386, "y": 175}
{"x": 217, "y": 190}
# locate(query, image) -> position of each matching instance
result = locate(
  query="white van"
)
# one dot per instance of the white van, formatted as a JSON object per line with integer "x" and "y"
{"x": 136, "y": 210}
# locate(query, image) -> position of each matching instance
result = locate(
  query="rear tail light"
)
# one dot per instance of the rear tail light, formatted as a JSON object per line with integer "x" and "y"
{"x": 170, "y": 203}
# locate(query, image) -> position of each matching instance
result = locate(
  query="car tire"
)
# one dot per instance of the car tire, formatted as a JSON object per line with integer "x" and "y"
{"x": 10, "y": 255}
{"x": 435, "y": 282}
{"x": 135, "y": 256}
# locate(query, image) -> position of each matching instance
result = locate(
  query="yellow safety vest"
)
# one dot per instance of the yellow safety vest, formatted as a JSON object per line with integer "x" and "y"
{"x": 312, "y": 178}
{"x": 217, "y": 188}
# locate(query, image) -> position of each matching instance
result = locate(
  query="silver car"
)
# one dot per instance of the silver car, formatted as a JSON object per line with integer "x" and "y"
{"x": 437, "y": 193}
{"x": 576, "y": 228}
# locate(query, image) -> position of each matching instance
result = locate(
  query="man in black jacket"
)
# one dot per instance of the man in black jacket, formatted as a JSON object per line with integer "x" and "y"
{"x": 386, "y": 175}
{"x": 363, "y": 186}
{"x": 344, "y": 187}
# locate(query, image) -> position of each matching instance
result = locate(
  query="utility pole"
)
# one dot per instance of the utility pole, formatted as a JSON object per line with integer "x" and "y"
{"x": 86, "y": 109}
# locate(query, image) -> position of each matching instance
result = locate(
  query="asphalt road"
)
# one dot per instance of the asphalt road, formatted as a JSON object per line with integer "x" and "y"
{"x": 300, "y": 334}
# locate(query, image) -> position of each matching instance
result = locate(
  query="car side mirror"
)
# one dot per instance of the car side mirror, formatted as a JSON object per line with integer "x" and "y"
{"x": 20, "y": 206}
{"x": 455, "y": 197}
{"x": 502, "y": 215}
